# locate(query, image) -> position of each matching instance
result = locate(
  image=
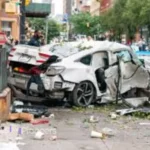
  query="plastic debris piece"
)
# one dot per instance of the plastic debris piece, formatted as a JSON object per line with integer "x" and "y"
{"x": 108, "y": 132}
{"x": 95, "y": 134}
{"x": 39, "y": 135}
{"x": 39, "y": 121}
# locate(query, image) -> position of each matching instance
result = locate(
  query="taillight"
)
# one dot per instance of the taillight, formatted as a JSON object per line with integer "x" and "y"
{"x": 13, "y": 49}
{"x": 40, "y": 61}
{"x": 20, "y": 69}
{"x": 44, "y": 55}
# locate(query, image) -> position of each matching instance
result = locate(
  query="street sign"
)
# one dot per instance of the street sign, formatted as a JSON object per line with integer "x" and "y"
{"x": 27, "y": 2}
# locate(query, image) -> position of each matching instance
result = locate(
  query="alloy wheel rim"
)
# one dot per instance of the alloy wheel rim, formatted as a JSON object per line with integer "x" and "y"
{"x": 85, "y": 94}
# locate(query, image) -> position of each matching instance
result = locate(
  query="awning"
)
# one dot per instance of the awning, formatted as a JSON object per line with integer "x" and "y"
{"x": 38, "y": 10}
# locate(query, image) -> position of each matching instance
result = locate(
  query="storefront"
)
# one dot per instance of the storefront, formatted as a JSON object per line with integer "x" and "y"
{"x": 10, "y": 19}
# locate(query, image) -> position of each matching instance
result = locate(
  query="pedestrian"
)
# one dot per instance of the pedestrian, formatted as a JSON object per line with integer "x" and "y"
{"x": 140, "y": 44}
{"x": 35, "y": 40}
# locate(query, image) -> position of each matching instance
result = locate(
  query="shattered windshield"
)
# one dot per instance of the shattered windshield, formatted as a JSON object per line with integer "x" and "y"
{"x": 68, "y": 49}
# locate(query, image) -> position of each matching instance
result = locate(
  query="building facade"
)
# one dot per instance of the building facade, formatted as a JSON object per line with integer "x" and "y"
{"x": 10, "y": 18}
{"x": 95, "y": 7}
{"x": 105, "y": 5}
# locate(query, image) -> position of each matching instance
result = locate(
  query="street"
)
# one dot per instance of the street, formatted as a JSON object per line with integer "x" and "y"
{"x": 74, "y": 133}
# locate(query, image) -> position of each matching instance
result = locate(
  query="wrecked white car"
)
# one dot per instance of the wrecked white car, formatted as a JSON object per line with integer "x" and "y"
{"x": 108, "y": 69}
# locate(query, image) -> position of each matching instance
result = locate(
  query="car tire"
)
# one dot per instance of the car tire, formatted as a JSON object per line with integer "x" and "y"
{"x": 83, "y": 94}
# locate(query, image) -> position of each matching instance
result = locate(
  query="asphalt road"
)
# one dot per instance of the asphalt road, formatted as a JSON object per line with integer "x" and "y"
{"x": 74, "y": 132}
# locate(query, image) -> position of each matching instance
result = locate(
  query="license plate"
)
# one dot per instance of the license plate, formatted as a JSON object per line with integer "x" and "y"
{"x": 22, "y": 81}
{"x": 25, "y": 58}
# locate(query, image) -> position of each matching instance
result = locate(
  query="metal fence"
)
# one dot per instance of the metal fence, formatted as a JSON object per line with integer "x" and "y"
{"x": 3, "y": 68}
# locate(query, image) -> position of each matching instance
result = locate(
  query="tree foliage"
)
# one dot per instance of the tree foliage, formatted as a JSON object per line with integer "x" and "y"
{"x": 127, "y": 16}
{"x": 84, "y": 23}
{"x": 40, "y": 24}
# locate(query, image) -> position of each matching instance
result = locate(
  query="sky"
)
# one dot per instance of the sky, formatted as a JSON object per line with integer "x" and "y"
{"x": 58, "y": 7}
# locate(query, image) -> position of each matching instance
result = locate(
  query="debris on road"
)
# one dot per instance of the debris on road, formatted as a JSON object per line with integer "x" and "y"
{"x": 136, "y": 102}
{"x": 113, "y": 115}
{"x": 108, "y": 132}
{"x": 20, "y": 116}
{"x": 93, "y": 119}
{"x": 37, "y": 111}
{"x": 95, "y": 134}
{"x": 39, "y": 135}
{"x": 53, "y": 132}
{"x": 52, "y": 116}
{"x": 39, "y": 121}
{"x": 123, "y": 112}
{"x": 144, "y": 123}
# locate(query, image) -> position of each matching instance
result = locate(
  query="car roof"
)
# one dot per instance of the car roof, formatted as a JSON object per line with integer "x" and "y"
{"x": 99, "y": 46}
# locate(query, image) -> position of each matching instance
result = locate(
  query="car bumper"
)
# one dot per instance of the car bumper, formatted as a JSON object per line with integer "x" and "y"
{"x": 56, "y": 83}
{"x": 20, "y": 81}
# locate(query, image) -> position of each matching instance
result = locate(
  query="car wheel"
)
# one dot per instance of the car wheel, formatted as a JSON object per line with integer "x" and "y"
{"x": 83, "y": 94}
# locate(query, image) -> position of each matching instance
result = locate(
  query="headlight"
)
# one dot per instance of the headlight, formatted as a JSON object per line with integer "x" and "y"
{"x": 55, "y": 70}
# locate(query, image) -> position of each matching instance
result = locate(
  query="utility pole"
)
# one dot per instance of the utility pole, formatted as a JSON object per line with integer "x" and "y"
{"x": 22, "y": 21}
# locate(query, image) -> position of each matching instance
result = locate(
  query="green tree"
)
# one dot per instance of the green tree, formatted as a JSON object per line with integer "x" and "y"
{"x": 40, "y": 24}
{"x": 84, "y": 23}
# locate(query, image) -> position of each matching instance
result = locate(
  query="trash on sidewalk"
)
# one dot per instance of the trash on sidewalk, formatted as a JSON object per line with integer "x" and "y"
{"x": 39, "y": 121}
{"x": 136, "y": 102}
{"x": 113, "y": 115}
{"x": 108, "y": 132}
{"x": 39, "y": 135}
{"x": 37, "y": 111}
{"x": 93, "y": 119}
{"x": 144, "y": 123}
{"x": 20, "y": 116}
{"x": 95, "y": 134}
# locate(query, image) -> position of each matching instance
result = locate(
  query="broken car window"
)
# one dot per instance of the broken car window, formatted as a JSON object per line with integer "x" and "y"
{"x": 124, "y": 55}
{"x": 86, "y": 60}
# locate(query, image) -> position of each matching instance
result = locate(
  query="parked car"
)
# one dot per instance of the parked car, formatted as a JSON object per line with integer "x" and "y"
{"x": 107, "y": 68}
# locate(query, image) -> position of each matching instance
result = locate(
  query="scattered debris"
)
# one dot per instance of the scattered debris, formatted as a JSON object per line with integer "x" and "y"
{"x": 139, "y": 111}
{"x": 39, "y": 135}
{"x": 126, "y": 111}
{"x": 108, "y": 132}
{"x": 39, "y": 121}
{"x": 145, "y": 123}
{"x": 93, "y": 119}
{"x": 136, "y": 102}
{"x": 52, "y": 116}
{"x": 53, "y": 134}
{"x": 37, "y": 111}
{"x": 20, "y": 116}
{"x": 113, "y": 115}
{"x": 95, "y": 134}
{"x": 18, "y": 103}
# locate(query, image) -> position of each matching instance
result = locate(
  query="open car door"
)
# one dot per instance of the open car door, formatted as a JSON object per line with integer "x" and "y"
{"x": 132, "y": 72}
